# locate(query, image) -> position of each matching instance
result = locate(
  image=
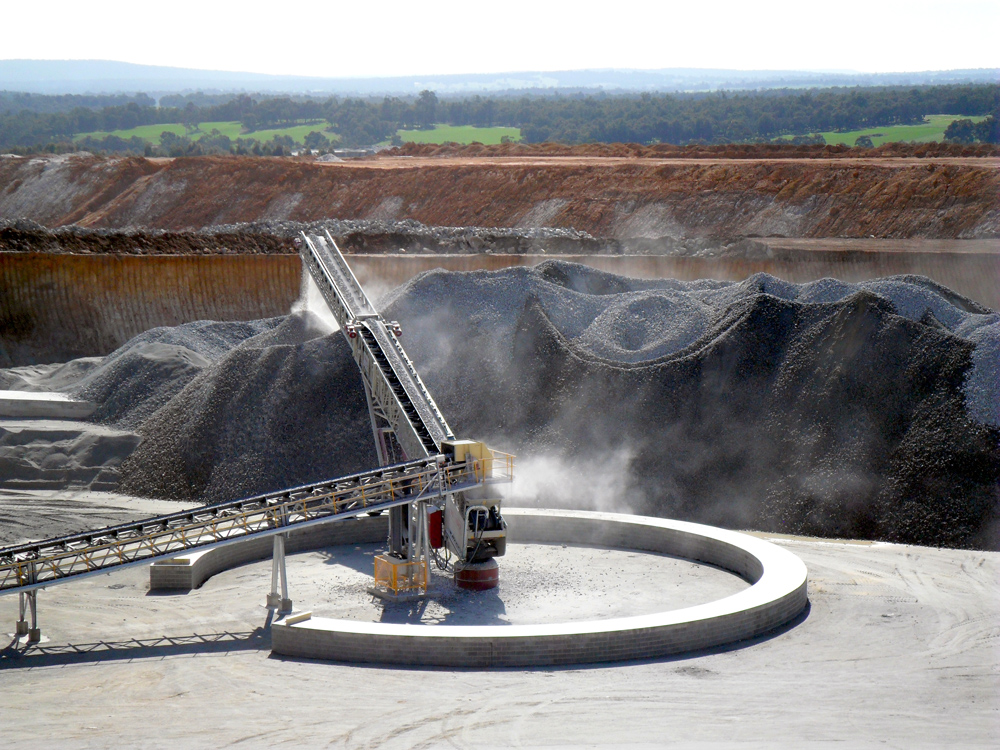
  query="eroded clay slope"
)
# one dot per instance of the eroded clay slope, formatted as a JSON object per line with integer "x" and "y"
{"x": 607, "y": 197}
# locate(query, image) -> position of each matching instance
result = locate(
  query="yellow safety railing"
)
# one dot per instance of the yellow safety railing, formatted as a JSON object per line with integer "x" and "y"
{"x": 499, "y": 467}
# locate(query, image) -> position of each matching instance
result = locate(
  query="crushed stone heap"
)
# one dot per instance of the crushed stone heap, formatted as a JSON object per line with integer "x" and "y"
{"x": 864, "y": 410}
{"x": 855, "y": 410}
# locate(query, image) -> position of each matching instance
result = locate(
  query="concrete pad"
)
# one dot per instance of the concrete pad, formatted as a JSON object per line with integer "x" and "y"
{"x": 777, "y": 595}
{"x": 43, "y": 405}
{"x": 898, "y": 649}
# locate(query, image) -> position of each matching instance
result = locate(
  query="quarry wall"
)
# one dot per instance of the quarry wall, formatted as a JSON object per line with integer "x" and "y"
{"x": 606, "y": 197}
{"x": 54, "y": 308}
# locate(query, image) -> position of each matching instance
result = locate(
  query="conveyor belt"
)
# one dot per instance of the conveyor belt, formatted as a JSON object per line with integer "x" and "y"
{"x": 397, "y": 393}
{"x": 37, "y": 564}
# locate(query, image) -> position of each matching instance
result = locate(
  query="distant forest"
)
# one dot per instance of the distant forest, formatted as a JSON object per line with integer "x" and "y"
{"x": 32, "y": 122}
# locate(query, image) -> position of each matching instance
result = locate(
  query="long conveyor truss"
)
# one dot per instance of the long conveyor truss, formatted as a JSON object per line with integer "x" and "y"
{"x": 34, "y": 565}
{"x": 417, "y": 453}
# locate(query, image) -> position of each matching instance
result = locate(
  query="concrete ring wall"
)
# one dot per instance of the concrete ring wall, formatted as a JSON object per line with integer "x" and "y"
{"x": 776, "y": 596}
{"x": 189, "y": 571}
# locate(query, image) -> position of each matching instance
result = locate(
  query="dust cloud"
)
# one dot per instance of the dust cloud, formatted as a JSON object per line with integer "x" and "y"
{"x": 600, "y": 483}
{"x": 311, "y": 303}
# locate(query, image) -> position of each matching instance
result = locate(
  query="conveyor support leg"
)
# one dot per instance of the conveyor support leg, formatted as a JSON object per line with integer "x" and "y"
{"x": 279, "y": 601}
{"x": 28, "y": 601}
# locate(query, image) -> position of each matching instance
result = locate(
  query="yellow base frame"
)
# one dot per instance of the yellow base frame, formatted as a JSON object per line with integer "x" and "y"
{"x": 400, "y": 576}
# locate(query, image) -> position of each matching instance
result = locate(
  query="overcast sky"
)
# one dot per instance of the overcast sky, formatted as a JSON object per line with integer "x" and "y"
{"x": 306, "y": 37}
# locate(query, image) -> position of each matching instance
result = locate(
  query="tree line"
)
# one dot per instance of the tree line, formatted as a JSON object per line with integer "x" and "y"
{"x": 19, "y": 101}
{"x": 716, "y": 117}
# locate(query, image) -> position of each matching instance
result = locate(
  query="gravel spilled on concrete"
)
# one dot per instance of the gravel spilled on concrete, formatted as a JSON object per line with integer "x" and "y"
{"x": 856, "y": 410}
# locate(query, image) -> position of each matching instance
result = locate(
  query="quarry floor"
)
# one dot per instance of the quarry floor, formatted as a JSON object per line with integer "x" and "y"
{"x": 900, "y": 648}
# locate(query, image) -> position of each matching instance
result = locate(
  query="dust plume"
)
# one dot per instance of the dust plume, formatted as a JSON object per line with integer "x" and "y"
{"x": 311, "y": 304}
{"x": 551, "y": 480}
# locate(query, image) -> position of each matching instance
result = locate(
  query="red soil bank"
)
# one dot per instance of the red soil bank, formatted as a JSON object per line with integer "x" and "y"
{"x": 939, "y": 193}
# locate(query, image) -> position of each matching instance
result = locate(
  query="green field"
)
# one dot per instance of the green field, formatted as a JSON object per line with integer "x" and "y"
{"x": 151, "y": 133}
{"x": 146, "y": 132}
{"x": 932, "y": 129}
{"x": 459, "y": 134}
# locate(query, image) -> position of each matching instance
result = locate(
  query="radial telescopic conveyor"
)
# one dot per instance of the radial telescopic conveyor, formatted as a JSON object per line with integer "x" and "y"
{"x": 405, "y": 420}
{"x": 422, "y": 465}
{"x": 404, "y": 416}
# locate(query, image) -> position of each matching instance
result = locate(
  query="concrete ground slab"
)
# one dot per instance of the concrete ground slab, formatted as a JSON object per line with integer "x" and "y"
{"x": 777, "y": 595}
{"x": 899, "y": 649}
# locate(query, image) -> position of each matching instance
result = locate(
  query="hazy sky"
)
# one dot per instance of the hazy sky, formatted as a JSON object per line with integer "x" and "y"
{"x": 306, "y": 37}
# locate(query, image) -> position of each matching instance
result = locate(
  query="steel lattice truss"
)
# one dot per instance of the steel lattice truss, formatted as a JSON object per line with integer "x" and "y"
{"x": 399, "y": 402}
{"x": 35, "y": 565}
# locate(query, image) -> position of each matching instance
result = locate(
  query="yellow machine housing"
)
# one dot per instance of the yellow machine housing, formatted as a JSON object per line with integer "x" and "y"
{"x": 474, "y": 529}
{"x": 464, "y": 451}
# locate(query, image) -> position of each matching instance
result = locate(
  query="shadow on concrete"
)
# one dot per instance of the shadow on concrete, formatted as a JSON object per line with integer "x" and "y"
{"x": 359, "y": 557}
{"x": 169, "y": 592}
{"x": 18, "y": 655}
{"x": 459, "y": 607}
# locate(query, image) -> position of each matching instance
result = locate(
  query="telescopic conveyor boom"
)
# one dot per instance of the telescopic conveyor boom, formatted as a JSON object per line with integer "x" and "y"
{"x": 402, "y": 408}
{"x": 405, "y": 420}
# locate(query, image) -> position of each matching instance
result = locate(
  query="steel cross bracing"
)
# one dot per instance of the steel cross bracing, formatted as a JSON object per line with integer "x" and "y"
{"x": 26, "y": 567}
{"x": 395, "y": 391}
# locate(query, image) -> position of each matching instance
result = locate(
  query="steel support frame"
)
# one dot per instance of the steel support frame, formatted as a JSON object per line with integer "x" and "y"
{"x": 28, "y": 601}
{"x": 279, "y": 601}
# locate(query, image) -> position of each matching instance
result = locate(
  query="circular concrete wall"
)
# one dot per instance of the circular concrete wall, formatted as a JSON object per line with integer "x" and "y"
{"x": 776, "y": 596}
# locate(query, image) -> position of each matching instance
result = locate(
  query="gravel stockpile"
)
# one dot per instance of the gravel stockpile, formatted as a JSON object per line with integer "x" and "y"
{"x": 345, "y": 227}
{"x": 134, "y": 381}
{"x": 270, "y": 237}
{"x": 857, "y": 410}
{"x": 35, "y": 237}
{"x": 281, "y": 408}
{"x": 50, "y": 454}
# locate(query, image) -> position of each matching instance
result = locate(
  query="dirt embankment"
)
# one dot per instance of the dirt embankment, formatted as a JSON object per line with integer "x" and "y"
{"x": 724, "y": 151}
{"x": 617, "y": 197}
{"x": 28, "y": 237}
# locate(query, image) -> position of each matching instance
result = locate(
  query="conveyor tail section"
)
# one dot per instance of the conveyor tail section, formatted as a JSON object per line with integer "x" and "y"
{"x": 397, "y": 395}
{"x": 37, "y": 564}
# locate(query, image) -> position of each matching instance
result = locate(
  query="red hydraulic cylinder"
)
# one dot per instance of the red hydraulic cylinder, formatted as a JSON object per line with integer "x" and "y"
{"x": 435, "y": 528}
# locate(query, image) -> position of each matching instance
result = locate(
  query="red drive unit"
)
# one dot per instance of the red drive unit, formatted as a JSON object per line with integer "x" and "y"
{"x": 435, "y": 526}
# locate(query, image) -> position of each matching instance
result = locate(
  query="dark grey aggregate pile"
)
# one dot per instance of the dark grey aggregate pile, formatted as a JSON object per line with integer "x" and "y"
{"x": 359, "y": 236}
{"x": 854, "y": 410}
{"x": 282, "y": 407}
